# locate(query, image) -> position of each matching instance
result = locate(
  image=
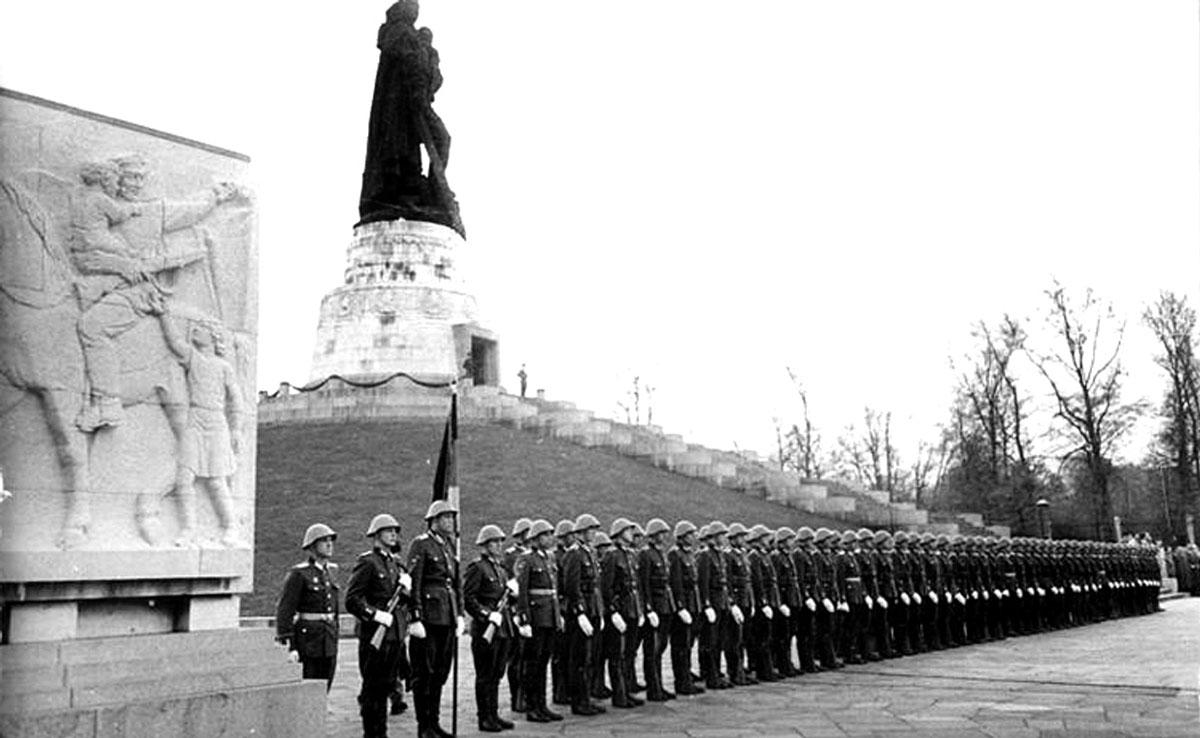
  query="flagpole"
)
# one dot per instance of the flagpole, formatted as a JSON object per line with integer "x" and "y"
{"x": 458, "y": 569}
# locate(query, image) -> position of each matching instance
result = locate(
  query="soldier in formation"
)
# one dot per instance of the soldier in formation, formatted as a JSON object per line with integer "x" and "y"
{"x": 753, "y": 604}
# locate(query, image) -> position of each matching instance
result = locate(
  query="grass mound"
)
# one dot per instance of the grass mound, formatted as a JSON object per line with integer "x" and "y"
{"x": 343, "y": 473}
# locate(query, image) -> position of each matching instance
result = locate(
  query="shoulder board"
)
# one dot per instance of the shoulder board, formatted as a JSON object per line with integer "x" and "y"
{"x": 422, "y": 537}
{"x": 365, "y": 554}
{"x": 302, "y": 565}
{"x": 332, "y": 565}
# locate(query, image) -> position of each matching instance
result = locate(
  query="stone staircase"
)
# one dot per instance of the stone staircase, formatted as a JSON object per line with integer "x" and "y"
{"x": 741, "y": 471}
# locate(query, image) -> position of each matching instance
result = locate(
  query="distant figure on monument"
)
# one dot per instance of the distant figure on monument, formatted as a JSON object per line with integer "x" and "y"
{"x": 395, "y": 183}
{"x": 524, "y": 377}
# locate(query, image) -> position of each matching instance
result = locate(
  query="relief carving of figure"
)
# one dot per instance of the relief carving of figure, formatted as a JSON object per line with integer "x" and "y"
{"x": 402, "y": 125}
{"x": 211, "y": 436}
{"x": 82, "y": 268}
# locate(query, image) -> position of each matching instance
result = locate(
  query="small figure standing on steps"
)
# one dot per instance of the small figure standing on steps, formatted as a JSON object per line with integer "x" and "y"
{"x": 210, "y": 440}
{"x": 524, "y": 380}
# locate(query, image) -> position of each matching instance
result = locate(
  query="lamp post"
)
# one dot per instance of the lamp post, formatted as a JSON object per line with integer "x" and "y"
{"x": 1043, "y": 506}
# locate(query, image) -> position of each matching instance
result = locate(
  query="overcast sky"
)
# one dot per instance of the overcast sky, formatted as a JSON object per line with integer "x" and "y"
{"x": 701, "y": 193}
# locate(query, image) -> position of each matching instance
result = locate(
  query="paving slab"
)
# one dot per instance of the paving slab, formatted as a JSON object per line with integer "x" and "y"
{"x": 1131, "y": 677}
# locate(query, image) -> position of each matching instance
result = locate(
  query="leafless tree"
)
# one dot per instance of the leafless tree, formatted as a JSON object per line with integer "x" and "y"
{"x": 1085, "y": 375}
{"x": 1173, "y": 322}
{"x": 804, "y": 437}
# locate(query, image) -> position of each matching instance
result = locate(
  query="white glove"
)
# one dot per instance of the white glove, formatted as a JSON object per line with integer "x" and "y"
{"x": 405, "y": 581}
{"x": 416, "y": 630}
{"x": 974, "y": 594}
{"x": 811, "y": 604}
{"x": 618, "y": 622}
{"x": 844, "y": 606}
{"x": 998, "y": 594}
{"x": 737, "y": 614}
{"x": 768, "y": 612}
{"x": 383, "y": 617}
{"x": 525, "y": 631}
{"x": 462, "y": 625}
{"x": 293, "y": 657}
{"x": 495, "y": 618}
{"x": 686, "y": 617}
{"x": 904, "y": 598}
{"x": 513, "y": 588}
{"x": 933, "y": 597}
{"x": 585, "y": 625}
{"x": 1020, "y": 593}
{"x": 916, "y": 598}
{"x": 961, "y": 600}
{"x": 986, "y": 596}
{"x": 641, "y": 620}
{"x": 1041, "y": 592}
{"x": 710, "y": 615}
{"x": 882, "y": 603}
{"x": 652, "y": 617}
{"x": 870, "y": 605}
{"x": 1031, "y": 591}
{"x": 787, "y": 611}
{"x": 827, "y": 605}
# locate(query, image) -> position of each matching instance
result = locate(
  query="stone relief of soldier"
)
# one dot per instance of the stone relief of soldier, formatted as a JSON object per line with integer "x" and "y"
{"x": 402, "y": 125}
{"x": 83, "y": 267}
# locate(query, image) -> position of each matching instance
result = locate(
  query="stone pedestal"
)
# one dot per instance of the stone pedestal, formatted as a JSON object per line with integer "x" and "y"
{"x": 128, "y": 323}
{"x": 404, "y": 307}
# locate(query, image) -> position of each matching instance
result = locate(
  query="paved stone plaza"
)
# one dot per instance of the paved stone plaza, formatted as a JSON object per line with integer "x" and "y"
{"x": 1133, "y": 677}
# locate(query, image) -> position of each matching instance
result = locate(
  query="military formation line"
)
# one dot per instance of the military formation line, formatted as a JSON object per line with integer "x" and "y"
{"x": 563, "y": 610}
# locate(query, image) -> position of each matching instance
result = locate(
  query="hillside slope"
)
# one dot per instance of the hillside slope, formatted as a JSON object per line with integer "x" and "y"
{"x": 343, "y": 473}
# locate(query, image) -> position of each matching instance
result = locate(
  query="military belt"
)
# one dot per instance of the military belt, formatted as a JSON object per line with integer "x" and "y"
{"x": 853, "y": 579}
{"x": 543, "y": 593}
{"x": 325, "y": 616}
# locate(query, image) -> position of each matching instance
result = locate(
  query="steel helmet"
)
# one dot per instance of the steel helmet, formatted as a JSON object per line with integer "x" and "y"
{"x": 316, "y": 532}
{"x": 736, "y": 529}
{"x": 380, "y": 522}
{"x": 521, "y": 527}
{"x": 656, "y": 526}
{"x": 882, "y": 536}
{"x": 439, "y": 507}
{"x": 683, "y": 527}
{"x": 705, "y": 532}
{"x": 805, "y": 534}
{"x": 564, "y": 528}
{"x": 849, "y": 536}
{"x": 784, "y": 534}
{"x": 602, "y": 539}
{"x": 757, "y": 532}
{"x": 619, "y": 525}
{"x": 866, "y": 534}
{"x": 489, "y": 533}
{"x": 539, "y": 527}
{"x": 716, "y": 528}
{"x": 823, "y": 534}
{"x": 586, "y": 522}
{"x": 900, "y": 538}
{"x": 638, "y": 530}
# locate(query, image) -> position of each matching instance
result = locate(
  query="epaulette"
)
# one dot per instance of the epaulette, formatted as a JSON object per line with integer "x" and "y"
{"x": 365, "y": 554}
{"x": 302, "y": 565}
{"x": 332, "y": 565}
{"x": 422, "y": 537}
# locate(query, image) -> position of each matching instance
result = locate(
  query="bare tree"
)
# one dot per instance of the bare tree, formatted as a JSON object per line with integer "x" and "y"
{"x": 631, "y": 405}
{"x": 806, "y": 438}
{"x": 1174, "y": 324}
{"x": 1084, "y": 373}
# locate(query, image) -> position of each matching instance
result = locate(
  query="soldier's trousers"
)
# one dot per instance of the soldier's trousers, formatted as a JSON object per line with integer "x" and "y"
{"x": 710, "y": 647}
{"x": 804, "y": 626}
{"x": 533, "y": 669}
{"x": 614, "y": 651}
{"x": 683, "y": 636}
{"x": 376, "y": 668}
{"x": 826, "y": 636}
{"x": 432, "y": 657}
{"x": 490, "y": 660}
{"x": 731, "y": 645}
{"x": 558, "y": 668}
{"x": 318, "y": 667}
{"x": 579, "y": 664}
{"x": 516, "y": 680}
{"x": 633, "y": 639}
{"x": 654, "y": 642}
{"x": 598, "y": 659}
{"x": 782, "y": 631}
{"x": 881, "y": 621}
{"x": 758, "y": 644}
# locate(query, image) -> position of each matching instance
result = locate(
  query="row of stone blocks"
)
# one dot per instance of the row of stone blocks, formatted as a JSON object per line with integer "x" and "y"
{"x": 204, "y": 683}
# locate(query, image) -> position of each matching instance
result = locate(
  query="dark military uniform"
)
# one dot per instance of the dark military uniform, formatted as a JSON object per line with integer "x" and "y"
{"x": 766, "y": 595}
{"x": 619, "y": 591}
{"x": 854, "y": 632}
{"x": 741, "y": 594}
{"x": 786, "y": 626}
{"x": 828, "y": 593}
{"x": 483, "y": 590}
{"x": 654, "y": 581}
{"x": 581, "y": 596}
{"x": 538, "y": 607}
{"x": 713, "y": 584}
{"x": 886, "y": 613}
{"x": 375, "y": 577}
{"x": 558, "y": 653}
{"x": 434, "y": 568}
{"x": 685, "y": 590}
{"x": 804, "y": 617}
{"x": 512, "y": 555}
{"x": 306, "y": 618}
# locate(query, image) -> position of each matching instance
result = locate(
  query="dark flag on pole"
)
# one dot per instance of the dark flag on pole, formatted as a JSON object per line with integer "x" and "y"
{"x": 445, "y": 481}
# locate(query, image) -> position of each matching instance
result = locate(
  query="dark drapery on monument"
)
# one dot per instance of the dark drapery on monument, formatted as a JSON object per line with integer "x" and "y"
{"x": 395, "y": 184}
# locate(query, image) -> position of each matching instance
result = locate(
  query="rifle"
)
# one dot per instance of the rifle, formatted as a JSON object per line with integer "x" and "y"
{"x": 380, "y": 631}
{"x": 490, "y": 632}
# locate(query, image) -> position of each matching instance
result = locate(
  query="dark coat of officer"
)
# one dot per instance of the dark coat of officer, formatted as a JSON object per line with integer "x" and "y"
{"x": 376, "y": 576}
{"x": 306, "y": 617}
